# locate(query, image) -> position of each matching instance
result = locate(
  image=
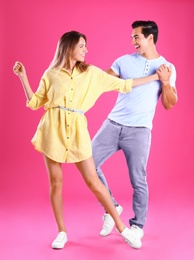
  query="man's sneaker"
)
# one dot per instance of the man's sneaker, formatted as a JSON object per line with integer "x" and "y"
{"x": 138, "y": 231}
{"x": 109, "y": 222}
{"x": 131, "y": 238}
{"x": 60, "y": 240}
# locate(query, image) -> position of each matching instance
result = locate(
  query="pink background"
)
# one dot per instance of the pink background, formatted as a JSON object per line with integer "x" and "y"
{"x": 29, "y": 33}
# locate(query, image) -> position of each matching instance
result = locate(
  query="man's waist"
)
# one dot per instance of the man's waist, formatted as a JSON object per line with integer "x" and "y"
{"x": 130, "y": 123}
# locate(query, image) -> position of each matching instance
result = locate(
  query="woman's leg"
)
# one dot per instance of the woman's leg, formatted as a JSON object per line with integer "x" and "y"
{"x": 56, "y": 184}
{"x": 88, "y": 171}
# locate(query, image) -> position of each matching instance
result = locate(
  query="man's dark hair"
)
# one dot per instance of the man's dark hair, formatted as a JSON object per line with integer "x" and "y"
{"x": 148, "y": 27}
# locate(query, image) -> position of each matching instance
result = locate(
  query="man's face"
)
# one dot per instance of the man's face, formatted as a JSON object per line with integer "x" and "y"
{"x": 141, "y": 44}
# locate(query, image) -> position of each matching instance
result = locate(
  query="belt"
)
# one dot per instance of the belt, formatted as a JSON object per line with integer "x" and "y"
{"x": 71, "y": 109}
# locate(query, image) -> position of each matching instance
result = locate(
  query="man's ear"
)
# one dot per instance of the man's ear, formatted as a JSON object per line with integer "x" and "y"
{"x": 151, "y": 37}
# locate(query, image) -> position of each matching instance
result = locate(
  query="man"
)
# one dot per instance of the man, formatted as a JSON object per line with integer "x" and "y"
{"x": 128, "y": 126}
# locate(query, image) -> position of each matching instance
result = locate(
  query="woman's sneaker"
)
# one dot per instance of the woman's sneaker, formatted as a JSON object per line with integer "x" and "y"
{"x": 131, "y": 238}
{"x": 60, "y": 240}
{"x": 109, "y": 222}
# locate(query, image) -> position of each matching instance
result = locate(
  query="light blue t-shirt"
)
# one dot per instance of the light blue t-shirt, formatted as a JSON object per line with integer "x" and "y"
{"x": 137, "y": 108}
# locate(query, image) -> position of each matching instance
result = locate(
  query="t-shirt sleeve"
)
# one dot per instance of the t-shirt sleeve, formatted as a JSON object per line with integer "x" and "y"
{"x": 115, "y": 67}
{"x": 173, "y": 76}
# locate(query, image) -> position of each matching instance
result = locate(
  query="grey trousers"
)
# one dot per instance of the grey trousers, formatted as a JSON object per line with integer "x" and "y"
{"x": 135, "y": 143}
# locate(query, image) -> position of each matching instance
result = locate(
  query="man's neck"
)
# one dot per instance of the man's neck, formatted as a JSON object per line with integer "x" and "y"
{"x": 151, "y": 54}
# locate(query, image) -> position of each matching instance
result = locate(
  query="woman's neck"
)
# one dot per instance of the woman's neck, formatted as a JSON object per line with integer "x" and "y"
{"x": 70, "y": 69}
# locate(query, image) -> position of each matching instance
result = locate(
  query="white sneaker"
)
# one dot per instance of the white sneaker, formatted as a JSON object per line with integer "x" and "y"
{"x": 60, "y": 240}
{"x": 131, "y": 238}
{"x": 138, "y": 231}
{"x": 109, "y": 222}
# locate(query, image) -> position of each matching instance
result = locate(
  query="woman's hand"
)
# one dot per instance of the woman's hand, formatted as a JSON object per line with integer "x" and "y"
{"x": 164, "y": 72}
{"x": 19, "y": 69}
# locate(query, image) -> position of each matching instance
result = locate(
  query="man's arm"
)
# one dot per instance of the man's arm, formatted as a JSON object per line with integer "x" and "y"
{"x": 169, "y": 94}
{"x": 111, "y": 72}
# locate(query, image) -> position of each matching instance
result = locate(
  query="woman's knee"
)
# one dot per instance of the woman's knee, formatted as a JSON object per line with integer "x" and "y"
{"x": 95, "y": 185}
{"x": 56, "y": 185}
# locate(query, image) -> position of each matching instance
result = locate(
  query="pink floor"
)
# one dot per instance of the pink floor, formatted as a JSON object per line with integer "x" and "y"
{"x": 27, "y": 229}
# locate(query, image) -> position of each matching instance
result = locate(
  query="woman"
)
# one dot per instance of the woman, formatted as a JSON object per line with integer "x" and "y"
{"x": 68, "y": 88}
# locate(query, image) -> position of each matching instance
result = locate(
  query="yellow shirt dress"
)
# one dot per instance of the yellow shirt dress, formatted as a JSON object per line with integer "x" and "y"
{"x": 62, "y": 135}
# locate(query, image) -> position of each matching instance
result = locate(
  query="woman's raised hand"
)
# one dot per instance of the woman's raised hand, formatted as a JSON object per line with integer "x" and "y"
{"x": 19, "y": 69}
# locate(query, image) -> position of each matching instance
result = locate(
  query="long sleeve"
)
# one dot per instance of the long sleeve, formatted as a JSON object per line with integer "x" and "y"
{"x": 109, "y": 83}
{"x": 39, "y": 98}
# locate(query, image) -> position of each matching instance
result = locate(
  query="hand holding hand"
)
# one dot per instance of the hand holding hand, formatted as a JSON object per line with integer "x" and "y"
{"x": 164, "y": 73}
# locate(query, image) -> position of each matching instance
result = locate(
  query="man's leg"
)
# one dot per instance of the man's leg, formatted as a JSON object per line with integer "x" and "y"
{"x": 135, "y": 143}
{"x": 104, "y": 144}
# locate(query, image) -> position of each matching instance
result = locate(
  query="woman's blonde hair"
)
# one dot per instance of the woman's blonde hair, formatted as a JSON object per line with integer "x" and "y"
{"x": 64, "y": 50}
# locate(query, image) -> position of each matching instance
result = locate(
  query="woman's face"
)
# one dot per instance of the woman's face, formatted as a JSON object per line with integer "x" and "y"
{"x": 79, "y": 51}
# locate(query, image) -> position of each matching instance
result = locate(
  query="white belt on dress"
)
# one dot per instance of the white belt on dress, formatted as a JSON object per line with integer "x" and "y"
{"x": 71, "y": 109}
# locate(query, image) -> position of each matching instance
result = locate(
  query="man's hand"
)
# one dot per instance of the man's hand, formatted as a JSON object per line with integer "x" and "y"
{"x": 164, "y": 73}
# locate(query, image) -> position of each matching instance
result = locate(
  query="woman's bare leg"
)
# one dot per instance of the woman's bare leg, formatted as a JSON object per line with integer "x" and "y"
{"x": 88, "y": 171}
{"x": 56, "y": 184}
